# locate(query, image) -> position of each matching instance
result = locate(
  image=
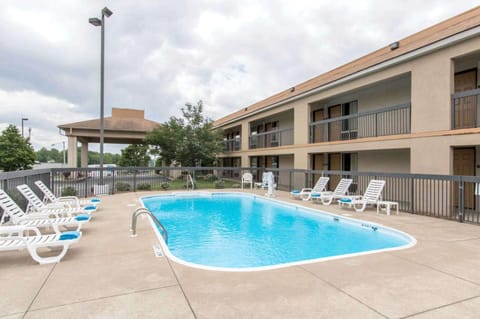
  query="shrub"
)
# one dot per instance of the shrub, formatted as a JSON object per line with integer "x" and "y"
{"x": 190, "y": 185}
{"x": 66, "y": 175}
{"x": 219, "y": 184}
{"x": 69, "y": 191}
{"x": 209, "y": 177}
{"x": 123, "y": 187}
{"x": 165, "y": 186}
{"x": 144, "y": 187}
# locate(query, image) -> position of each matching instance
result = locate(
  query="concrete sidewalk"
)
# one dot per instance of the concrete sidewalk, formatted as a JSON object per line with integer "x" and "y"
{"x": 109, "y": 274}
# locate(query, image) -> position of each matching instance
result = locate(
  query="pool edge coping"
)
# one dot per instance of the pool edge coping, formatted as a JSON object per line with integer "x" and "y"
{"x": 168, "y": 254}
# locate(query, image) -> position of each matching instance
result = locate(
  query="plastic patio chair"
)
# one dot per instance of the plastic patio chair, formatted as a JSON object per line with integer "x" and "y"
{"x": 247, "y": 178}
{"x": 36, "y": 205}
{"x": 19, "y": 238}
{"x": 340, "y": 191}
{"x": 73, "y": 201}
{"x": 305, "y": 193}
{"x": 371, "y": 196}
{"x": 38, "y": 219}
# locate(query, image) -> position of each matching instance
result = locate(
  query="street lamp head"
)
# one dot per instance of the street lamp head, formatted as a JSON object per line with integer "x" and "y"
{"x": 95, "y": 21}
{"x": 106, "y": 12}
{"x": 24, "y": 119}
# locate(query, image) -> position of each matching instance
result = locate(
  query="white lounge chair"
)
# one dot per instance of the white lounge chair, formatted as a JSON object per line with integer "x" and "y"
{"x": 40, "y": 220}
{"x": 19, "y": 238}
{"x": 305, "y": 193}
{"x": 36, "y": 205}
{"x": 73, "y": 201}
{"x": 372, "y": 195}
{"x": 247, "y": 178}
{"x": 340, "y": 191}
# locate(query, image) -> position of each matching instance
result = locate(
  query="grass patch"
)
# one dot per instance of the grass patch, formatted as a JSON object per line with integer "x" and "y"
{"x": 179, "y": 184}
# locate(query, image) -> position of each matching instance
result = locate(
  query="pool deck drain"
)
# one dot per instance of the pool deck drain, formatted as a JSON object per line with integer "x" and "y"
{"x": 108, "y": 274}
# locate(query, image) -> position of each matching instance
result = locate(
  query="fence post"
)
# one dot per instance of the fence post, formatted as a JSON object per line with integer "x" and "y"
{"x": 114, "y": 172}
{"x": 412, "y": 195}
{"x": 135, "y": 180}
{"x": 461, "y": 199}
{"x": 193, "y": 178}
{"x": 52, "y": 180}
{"x": 290, "y": 180}
{"x": 86, "y": 183}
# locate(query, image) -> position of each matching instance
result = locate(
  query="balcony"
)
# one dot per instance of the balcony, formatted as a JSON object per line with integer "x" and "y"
{"x": 231, "y": 145}
{"x": 465, "y": 109}
{"x": 390, "y": 120}
{"x": 273, "y": 138}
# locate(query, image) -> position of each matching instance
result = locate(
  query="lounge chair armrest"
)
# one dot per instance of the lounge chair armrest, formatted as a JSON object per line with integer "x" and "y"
{"x": 353, "y": 197}
{"x": 42, "y": 215}
{"x": 59, "y": 205}
{"x": 18, "y": 229}
{"x": 326, "y": 193}
{"x": 72, "y": 198}
{"x": 70, "y": 201}
{"x": 12, "y": 229}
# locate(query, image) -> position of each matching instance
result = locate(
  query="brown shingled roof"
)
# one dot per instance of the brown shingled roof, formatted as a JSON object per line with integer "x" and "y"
{"x": 121, "y": 120}
{"x": 442, "y": 30}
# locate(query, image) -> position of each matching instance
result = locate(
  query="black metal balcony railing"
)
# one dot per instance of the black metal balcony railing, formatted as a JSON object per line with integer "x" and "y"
{"x": 465, "y": 109}
{"x": 271, "y": 139}
{"x": 391, "y": 120}
{"x": 232, "y": 145}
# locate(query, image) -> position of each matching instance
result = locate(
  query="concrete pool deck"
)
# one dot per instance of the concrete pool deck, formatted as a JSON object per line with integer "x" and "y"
{"x": 109, "y": 274}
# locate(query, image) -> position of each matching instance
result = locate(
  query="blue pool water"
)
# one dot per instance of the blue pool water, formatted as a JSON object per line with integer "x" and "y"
{"x": 235, "y": 230}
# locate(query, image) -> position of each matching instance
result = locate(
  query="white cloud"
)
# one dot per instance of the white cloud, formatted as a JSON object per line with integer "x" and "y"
{"x": 44, "y": 114}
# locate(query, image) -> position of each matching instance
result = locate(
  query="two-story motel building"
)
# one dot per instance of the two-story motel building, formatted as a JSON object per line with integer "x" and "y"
{"x": 409, "y": 107}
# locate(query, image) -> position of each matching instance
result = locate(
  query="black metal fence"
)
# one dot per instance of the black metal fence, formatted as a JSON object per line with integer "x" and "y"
{"x": 390, "y": 120}
{"x": 231, "y": 145}
{"x": 442, "y": 196}
{"x": 271, "y": 138}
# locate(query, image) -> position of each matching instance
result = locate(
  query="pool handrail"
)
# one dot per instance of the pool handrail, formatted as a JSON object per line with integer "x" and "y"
{"x": 143, "y": 210}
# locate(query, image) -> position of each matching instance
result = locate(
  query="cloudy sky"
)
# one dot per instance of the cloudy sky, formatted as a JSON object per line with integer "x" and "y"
{"x": 162, "y": 54}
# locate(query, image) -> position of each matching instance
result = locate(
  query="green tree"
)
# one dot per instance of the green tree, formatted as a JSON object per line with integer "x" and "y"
{"x": 56, "y": 155}
{"x": 42, "y": 155}
{"x": 15, "y": 151}
{"x": 189, "y": 141}
{"x": 110, "y": 158}
{"x": 134, "y": 155}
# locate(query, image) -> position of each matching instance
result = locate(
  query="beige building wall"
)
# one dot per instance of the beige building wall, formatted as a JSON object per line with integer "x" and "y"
{"x": 389, "y": 92}
{"x": 387, "y": 161}
{"x": 285, "y": 119}
{"x": 430, "y": 156}
{"x": 432, "y": 77}
{"x": 285, "y": 162}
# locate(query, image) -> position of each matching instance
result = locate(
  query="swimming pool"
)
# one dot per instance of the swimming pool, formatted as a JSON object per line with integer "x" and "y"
{"x": 244, "y": 232}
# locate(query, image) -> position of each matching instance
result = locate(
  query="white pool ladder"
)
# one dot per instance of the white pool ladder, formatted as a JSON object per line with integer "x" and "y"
{"x": 190, "y": 180}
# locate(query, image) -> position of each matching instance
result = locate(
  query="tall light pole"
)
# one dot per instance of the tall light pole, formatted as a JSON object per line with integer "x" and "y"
{"x": 23, "y": 120}
{"x": 101, "y": 23}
